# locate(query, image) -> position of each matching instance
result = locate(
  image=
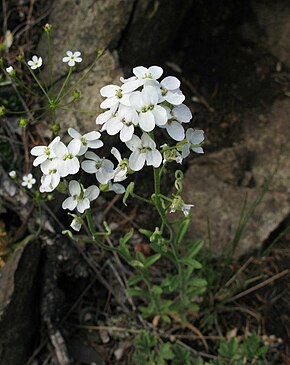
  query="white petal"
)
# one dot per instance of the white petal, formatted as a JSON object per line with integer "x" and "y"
{"x": 134, "y": 143}
{"x": 109, "y": 103}
{"x": 116, "y": 154}
{"x": 75, "y": 225}
{"x": 74, "y": 188}
{"x": 126, "y": 133}
{"x": 153, "y": 158}
{"x": 95, "y": 144}
{"x": 109, "y": 90}
{"x": 174, "y": 98}
{"x": 147, "y": 141}
{"x": 38, "y": 150}
{"x": 137, "y": 160}
{"x": 150, "y": 95}
{"x": 91, "y": 136}
{"x": 89, "y": 166}
{"x": 147, "y": 121}
{"x": 160, "y": 115}
{"x": 73, "y": 166}
{"x": 136, "y": 100}
{"x": 92, "y": 156}
{"x": 73, "y": 133}
{"x": 69, "y": 203}
{"x": 40, "y": 159}
{"x": 117, "y": 188}
{"x": 114, "y": 126}
{"x": 83, "y": 205}
{"x": 104, "y": 117}
{"x": 140, "y": 71}
{"x": 60, "y": 149}
{"x": 92, "y": 192}
{"x": 197, "y": 149}
{"x": 170, "y": 83}
{"x": 74, "y": 146}
{"x": 175, "y": 130}
{"x": 182, "y": 113}
{"x": 132, "y": 85}
{"x": 156, "y": 71}
{"x": 195, "y": 136}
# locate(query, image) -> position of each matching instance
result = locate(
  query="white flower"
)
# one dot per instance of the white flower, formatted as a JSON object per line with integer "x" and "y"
{"x": 44, "y": 152}
{"x": 143, "y": 150}
{"x": 193, "y": 140}
{"x": 35, "y": 63}
{"x": 68, "y": 163}
{"x": 170, "y": 91}
{"x": 150, "y": 114}
{"x": 179, "y": 114}
{"x": 124, "y": 121}
{"x": 88, "y": 140}
{"x": 12, "y": 174}
{"x": 178, "y": 204}
{"x": 72, "y": 58}
{"x": 28, "y": 181}
{"x": 9, "y": 70}
{"x": 186, "y": 208}
{"x": 103, "y": 168}
{"x": 76, "y": 223}
{"x": 120, "y": 172}
{"x": 80, "y": 198}
{"x": 51, "y": 178}
{"x": 143, "y": 76}
{"x": 115, "y": 95}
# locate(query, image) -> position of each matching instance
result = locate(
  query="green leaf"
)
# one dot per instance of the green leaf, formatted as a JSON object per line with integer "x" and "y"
{"x": 151, "y": 260}
{"x": 137, "y": 292}
{"x": 195, "y": 248}
{"x": 146, "y": 232}
{"x": 165, "y": 351}
{"x": 134, "y": 280}
{"x": 182, "y": 230}
{"x": 191, "y": 262}
{"x": 123, "y": 240}
{"x": 198, "y": 282}
{"x": 128, "y": 192}
{"x": 137, "y": 263}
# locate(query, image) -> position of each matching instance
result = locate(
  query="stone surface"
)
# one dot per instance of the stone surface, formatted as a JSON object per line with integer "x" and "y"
{"x": 270, "y": 27}
{"x": 18, "y": 307}
{"x": 218, "y": 184}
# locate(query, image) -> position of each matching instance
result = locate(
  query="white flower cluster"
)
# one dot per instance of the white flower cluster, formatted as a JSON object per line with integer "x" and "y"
{"x": 133, "y": 109}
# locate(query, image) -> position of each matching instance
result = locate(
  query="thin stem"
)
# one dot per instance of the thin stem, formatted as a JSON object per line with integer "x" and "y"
{"x": 134, "y": 195}
{"x": 50, "y": 60}
{"x": 60, "y": 96}
{"x": 38, "y": 82}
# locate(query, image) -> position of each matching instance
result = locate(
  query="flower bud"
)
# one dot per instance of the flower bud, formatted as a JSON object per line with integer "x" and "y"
{"x": 47, "y": 28}
{"x": 20, "y": 57}
{"x": 55, "y": 127}
{"x": 76, "y": 95}
{"x": 2, "y": 110}
{"x": 23, "y": 122}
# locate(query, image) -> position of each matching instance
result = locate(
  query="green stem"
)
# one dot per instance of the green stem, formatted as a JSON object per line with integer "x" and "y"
{"x": 38, "y": 82}
{"x": 50, "y": 60}
{"x": 134, "y": 195}
{"x": 60, "y": 96}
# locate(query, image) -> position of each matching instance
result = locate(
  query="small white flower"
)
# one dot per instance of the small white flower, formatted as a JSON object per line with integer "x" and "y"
{"x": 51, "y": 178}
{"x": 28, "y": 181}
{"x": 72, "y": 58}
{"x": 170, "y": 91}
{"x": 115, "y": 95}
{"x": 88, "y": 140}
{"x": 150, "y": 114}
{"x": 76, "y": 223}
{"x": 120, "y": 172}
{"x": 124, "y": 122}
{"x": 68, "y": 163}
{"x": 179, "y": 114}
{"x": 12, "y": 174}
{"x": 142, "y": 76}
{"x": 143, "y": 150}
{"x": 80, "y": 198}
{"x": 35, "y": 63}
{"x": 193, "y": 140}
{"x": 44, "y": 152}
{"x": 103, "y": 168}
{"x": 9, "y": 70}
{"x": 186, "y": 208}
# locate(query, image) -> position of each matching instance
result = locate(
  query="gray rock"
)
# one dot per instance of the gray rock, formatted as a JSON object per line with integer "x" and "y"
{"x": 219, "y": 183}
{"x": 270, "y": 27}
